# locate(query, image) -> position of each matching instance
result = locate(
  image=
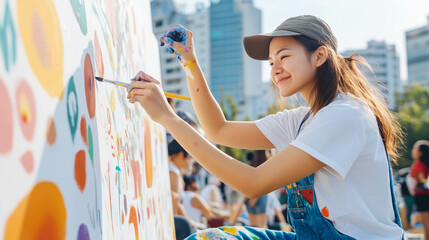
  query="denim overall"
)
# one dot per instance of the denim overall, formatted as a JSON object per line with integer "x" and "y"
{"x": 303, "y": 214}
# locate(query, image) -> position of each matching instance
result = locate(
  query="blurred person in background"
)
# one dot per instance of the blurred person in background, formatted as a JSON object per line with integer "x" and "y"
{"x": 420, "y": 172}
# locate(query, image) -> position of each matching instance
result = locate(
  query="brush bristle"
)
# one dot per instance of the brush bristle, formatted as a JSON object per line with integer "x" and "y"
{"x": 99, "y": 79}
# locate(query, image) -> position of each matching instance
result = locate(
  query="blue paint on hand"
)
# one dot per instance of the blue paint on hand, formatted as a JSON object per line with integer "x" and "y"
{"x": 176, "y": 34}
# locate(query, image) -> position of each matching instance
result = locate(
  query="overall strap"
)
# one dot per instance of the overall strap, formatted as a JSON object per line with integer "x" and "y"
{"x": 392, "y": 192}
{"x": 302, "y": 122}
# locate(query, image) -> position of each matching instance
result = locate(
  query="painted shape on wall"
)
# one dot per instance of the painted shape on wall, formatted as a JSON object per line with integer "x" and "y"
{"x": 41, "y": 35}
{"x": 6, "y": 120}
{"x": 8, "y": 38}
{"x": 72, "y": 107}
{"x": 84, "y": 162}
{"x": 80, "y": 13}
{"x": 40, "y": 215}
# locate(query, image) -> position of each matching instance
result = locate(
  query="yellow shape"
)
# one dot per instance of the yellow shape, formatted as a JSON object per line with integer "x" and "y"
{"x": 180, "y": 50}
{"x": 41, "y": 35}
{"x": 112, "y": 100}
{"x": 191, "y": 63}
{"x": 24, "y": 108}
{"x": 231, "y": 230}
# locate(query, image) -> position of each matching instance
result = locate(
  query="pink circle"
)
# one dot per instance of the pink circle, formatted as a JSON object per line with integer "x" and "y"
{"x": 6, "y": 120}
{"x": 26, "y": 109}
{"x": 27, "y": 161}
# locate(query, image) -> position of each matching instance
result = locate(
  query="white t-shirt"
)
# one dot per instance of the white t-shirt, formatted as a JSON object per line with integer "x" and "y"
{"x": 193, "y": 213}
{"x": 354, "y": 186}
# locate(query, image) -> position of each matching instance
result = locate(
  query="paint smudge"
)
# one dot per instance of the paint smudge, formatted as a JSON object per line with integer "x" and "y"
{"x": 41, "y": 35}
{"x": 198, "y": 89}
{"x": 79, "y": 12}
{"x": 72, "y": 107}
{"x": 125, "y": 204}
{"x": 90, "y": 145}
{"x": 133, "y": 220}
{"x": 26, "y": 110}
{"x": 39, "y": 215}
{"x": 112, "y": 100}
{"x": 89, "y": 86}
{"x": 98, "y": 56}
{"x": 83, "y": 233}
{"x": 325, "y": 212}
{"x": 135, "y": 166}
{"x": 83, "y": 131}
{"x": 27, "y": 161}
{"x": 176, "y": 35}
{"x": 307, "y": 194}
{"x": 51, "y": 132}
{"x": 8, "y": 39}
{"x": 80, "y": 170}
{"x": 6, "y": 120}
{"x": 148, "y": 153}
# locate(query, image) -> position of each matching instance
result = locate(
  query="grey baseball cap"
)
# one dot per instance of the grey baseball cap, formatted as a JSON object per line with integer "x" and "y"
{"x": 257, "y": 46}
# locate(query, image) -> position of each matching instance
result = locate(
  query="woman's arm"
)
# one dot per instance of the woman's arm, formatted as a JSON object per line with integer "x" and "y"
{"x": 284, "y": 168}
{"x": 199, "y": 203}
{"x": 236, "y": 212}
{"x": 217, "y": 129}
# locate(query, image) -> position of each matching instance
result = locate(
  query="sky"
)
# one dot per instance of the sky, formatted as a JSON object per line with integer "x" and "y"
{"x": 353, "y": 22}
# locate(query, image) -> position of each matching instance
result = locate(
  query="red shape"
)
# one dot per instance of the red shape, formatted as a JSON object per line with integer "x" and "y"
{"x": 307, "y": 194}
{"x": 89, "y": 85}
{"x": 80, "y": 170}
{"x": 83, "y": 132}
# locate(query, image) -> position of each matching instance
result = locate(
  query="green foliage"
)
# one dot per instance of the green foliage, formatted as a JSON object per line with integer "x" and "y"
{"x": 413, "y": 115}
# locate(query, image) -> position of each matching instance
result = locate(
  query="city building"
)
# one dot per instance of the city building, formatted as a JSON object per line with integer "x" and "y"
{"x": 384, "y": 61}
{"x": 232, "y": 71}
{"x": 166, "y": 14}
{"x": 417, "y": 41}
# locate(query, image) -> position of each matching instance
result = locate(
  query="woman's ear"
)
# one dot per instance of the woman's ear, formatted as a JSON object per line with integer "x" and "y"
{"x": 320, "y": 56}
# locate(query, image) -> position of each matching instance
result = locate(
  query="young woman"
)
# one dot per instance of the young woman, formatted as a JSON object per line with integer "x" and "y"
{"x": 420, "y": 172}
{"x": 332, "y": 154}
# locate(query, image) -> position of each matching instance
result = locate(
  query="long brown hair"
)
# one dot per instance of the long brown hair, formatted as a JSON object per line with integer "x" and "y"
{"x": 341, "y": 74}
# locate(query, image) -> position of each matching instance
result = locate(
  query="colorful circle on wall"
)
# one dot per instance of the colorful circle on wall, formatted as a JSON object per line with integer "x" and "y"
{"x": 26, "y": 109}
{"x": 40, "y": 215}
{"x": 80, "y": 170}
{"x": 27, "y": 161}
{"x": 41, "y": 35}
{"x": 98, "y": 56}
{"x": 6, "y": 120}
{"x": 88, "y": 74}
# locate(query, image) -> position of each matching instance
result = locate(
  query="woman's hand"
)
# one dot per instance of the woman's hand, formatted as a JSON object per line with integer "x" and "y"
{"x": 179, "y": 40}
{"x": 147, "y": 91}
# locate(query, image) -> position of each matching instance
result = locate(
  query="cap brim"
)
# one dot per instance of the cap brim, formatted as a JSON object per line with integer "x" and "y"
{"x": 258, "y": 46}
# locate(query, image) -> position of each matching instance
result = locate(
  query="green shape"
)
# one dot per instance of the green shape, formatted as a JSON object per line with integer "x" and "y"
{"x": 80, "y": 13}
{"x": 72, "y": 107}
{"x": 90, "y": 146}
{"x": 8, "y": 38}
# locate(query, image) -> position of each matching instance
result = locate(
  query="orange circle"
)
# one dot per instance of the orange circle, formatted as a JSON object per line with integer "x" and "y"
{"x": 80, "y": 170}
{"x": 39, "y": 215}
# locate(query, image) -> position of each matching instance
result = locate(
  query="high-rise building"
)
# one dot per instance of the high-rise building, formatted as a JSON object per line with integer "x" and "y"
{"x": 218, "y": 32}
{"x": 384, "y": 62}
{"x": 232, "y": 71}
{"x": 165, "y": 14}
{"x": 417, "y": 41}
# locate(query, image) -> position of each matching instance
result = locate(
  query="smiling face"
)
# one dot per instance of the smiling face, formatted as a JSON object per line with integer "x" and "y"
{"x": 293, "y": 69}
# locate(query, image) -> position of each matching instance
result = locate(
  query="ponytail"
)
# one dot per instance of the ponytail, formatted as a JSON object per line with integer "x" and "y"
{"x": 341, "y": 74}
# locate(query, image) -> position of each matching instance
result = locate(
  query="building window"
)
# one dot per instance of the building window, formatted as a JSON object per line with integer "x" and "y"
{"x": 173, "y": 81}
{"x": 158, "y": 23}
{"x": 169, "y": 60}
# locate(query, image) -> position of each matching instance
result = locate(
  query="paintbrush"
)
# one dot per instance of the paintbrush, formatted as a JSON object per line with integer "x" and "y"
{"x": 127, "y": 85}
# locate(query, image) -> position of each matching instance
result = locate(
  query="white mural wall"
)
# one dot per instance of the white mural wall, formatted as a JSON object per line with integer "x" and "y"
{"x": 77, "y": 160}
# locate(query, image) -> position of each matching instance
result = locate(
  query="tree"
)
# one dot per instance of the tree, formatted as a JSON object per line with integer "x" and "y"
{"x": 413, "y": 115}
